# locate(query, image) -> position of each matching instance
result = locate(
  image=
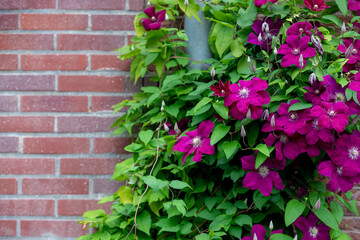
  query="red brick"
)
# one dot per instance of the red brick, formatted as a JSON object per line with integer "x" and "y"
{"x": 79, "y": 206}
{"x": 89, "y": 42}
{"x": 26, "y": 207}
{"x": 92, "y": 4}
{"x": 137, "y": 5}
{"x": 53, "y": 21}
{"x": 84, "y": 124}
{"x": 8, "y": 62}
{"x": 26, "y": 124}
{"x": 106, "y": 186}
{"x": 8, "y": 186}
{"x": 27, "y": 4}
{"x": 8, "y": 103}
{"x": 109, "y": 62}
{"x": 354, "y": 235}
{"x": 112, "y": 22}
{"x": 27, "y": 166}
{"x": 104, "y": 103}
{"x": 91, "y": 83}
{"x": 110, "y": 145}
{"x": 26, "y": 42}
{"x": 27, "y": 83}
{"x": 43, "y": 228}
{"x": 55, "y": 186}
{"x": 9, "y": 144}
{"x": 54, "y": 103}
{"x": 54, "y": 62}
{"x": 88, "y": 166}
{"x": 8, "y": 21}
{"x": 7, "y": 227}
{"x": 59, "y": 145}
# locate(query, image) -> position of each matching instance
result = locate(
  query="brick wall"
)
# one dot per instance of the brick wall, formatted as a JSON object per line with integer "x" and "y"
{"x": 59, "y": 79}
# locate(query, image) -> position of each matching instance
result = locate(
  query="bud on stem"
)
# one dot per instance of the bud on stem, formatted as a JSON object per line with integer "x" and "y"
{"x": 272, "y": 121}
{"x": 243, "y": 132}
{"x": 212, "y": 72}
{"x": 343, "y": 28}
{"x": 186, "y": 3}
{"x": 317, "y": 204}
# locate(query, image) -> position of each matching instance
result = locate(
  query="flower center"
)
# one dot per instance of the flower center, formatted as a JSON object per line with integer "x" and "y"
{"x": 263, "y": 171}
{"x": 315, "y": 124}
{"x": 339, "y": 170}
{"x": 293, "y": 116}
{"x": 284, "y": 138}
{"x": 296, "y": 51}
{"x": 196, "y": 142}
{"x": 316, "y": 6}
{"x": 301, "y": 30}
{"x": 153, "y": 18}
{"x": 353, "y": 153}
{"x": 354, "y": 51}
{"x": 223, "y": 91}
{"x": 244, "y": 93}
{"x": 317, "y": 91}
{"x": 332, "y": 113}
{"x": 313, "y": 232}
{"x": 339, "y": 97}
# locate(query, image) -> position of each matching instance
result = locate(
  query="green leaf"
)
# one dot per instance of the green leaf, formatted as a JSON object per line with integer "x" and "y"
{"x": 293, "y": 210}
{"x": 327, "y": 217}
{"x": 252, "y": 133}
{"x": 333, "y": 19}
{"x": 121, "y": 168}
{"x": 337, "y": 65}
{"x": 200, "y": 105}
{"x": 180, "y": 205}
{"x": 210, "y": 202}
{"x": 146, "y": 136}
{"x": 191, "y": 9}
{"x": 235, "y": 231}
{"x": 172, "y": 110}
{"x": 259, "y": 199}
{"x": 237, "y": 47}
{"x": 242, "y": 220}
{"x": 263, "y": 149}
{"x": 107, "y": 199}
{"x": 221, "y": 110}
{"x": 229, "y": 148}
{"x": 139, "y": 28}
{"x": 220, "y": 222}
{"x": 260, "y": 159}
{"x": 125, "y": 195}
{"x": 290, "y": 89}
{"x": 342, "y": 4}
{"x": 178, "y": 184}
{"x": 143, "y": 222}
{"x": 94, "y": 214}
{"x": 154, "y": 183}
{"x": 203, "y": 236}
{"x": 280, "y": 236}
{"x": 299, "y": 106}
{"x": 219, "y": 133}
{"x": 168, "y": 225}
{"x": 223, "y": 36}
{"x": 247, "y": 17}
{"x": 337, "y": 210}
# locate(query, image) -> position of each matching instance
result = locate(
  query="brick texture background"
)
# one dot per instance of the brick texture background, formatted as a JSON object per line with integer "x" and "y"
{"x": 59, "y": 78}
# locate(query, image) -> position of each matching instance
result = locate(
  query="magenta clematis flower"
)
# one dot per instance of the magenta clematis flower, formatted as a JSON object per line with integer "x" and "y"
{"x": 222, "y": 90}
{"x": 312, "y": 229}
{"x": 331, "y": 115}
{"x": 347, "y": 148}
{"x": 352, "y": 47}
{"x": 355, "y": 85}
{"x": 341, "y": 176}
{"x": 318, "y": 133}
{"x": 260, "y": 232}
{"x": 264, "y": 31}
{"x": 299, "y": 28}
{"x": 259, "y": 3}
{"x": 197, "y": 142}
{"x": 315, "y": 5}
{"x": 247, "y": 97}
{"x": 354, "y": 5}
{"x": 293, "y": 49}
{"x": 314, "y": 92}
{"x": 154, "y": 20}
{"x": 262, "y": 178}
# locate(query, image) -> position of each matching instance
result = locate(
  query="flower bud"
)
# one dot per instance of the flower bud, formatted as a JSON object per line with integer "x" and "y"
{"x": 317, "y": 204}
{"x": 212, "y": 72}
{"x": 355, "y": 196}
{"x": 312, "y": 78}
{"x": 295, "y": 238}
{"x": 177, "y": 129}
{"x": 166, "y": 127}
{"x": 255, "y": 237}
{"x": 248, "y": 59}
{"x": 149, "y": 3}
{"x": 243, "y": 132}
{"x": 166, "y": 17}
{"x": 252, "y": 67}
{"x": 132, "y": 48}
{"x": 301, "y": 60}
{"x": 272, "y": 121}
{"x": 271, "y": 225}
{"x": 186, "y": 3}
{"x": 265, "y": 115}
{"x": 162, "y": 106}
{"x": 343, "y": 28}
{"x": 260, "y": 38}
{"x": 245, "y": 201}
{"x": 317, "y": 43}
{"x": 349, "y": 51}
{"x": 275, "y": 51}
{"x": 265, "y": 27}
{"x": 248, "y": 114}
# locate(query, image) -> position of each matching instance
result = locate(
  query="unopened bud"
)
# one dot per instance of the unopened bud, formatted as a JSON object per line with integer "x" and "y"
{"x": 260, "y": 38}
{"x": 132, "y": 48}
{"x": 271, "y": 225}
{"x": 248, "y": 114}
{"x": 301, "y": 61}
{"x": 349, "y": 51}
{"x": 317, "y": 43}
{"x": 248, "y": 59}
{"x": 245, "y": 201}
{"x": 186, "y": 3}
{"x": 252, "y": 67}
{"x": 355, "y": 196}
{"x": 317, "y": 204}
{"x": 166, "y": 17}
{"x": 265, "y": 27}
{"x": 177, "y": 129}
{"x": 212, "y": 72}
{"x": 312, "y": 78}
{"x": 162, "y": 106}
{"x": 295, "y": 238}
{"x": 255, "y": 237}
{"x": 166, "y": 127}
{"x": 243, "y": 132}
{"x": 275, "y": 51}
{"x": 343, "y": 28}
{"x": 272, "y": 121}
{"x": 265, "y": 115}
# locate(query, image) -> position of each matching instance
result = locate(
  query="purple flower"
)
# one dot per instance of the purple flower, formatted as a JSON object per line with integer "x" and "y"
{"x": 341, "y": 176}
{"x": 260, "y": 232}
{"x": 347, "y": 148}
{"x": 315, "y": 5}
{"x": 247, "y": 96}
{"x": 354, "y": 5}
{"x": 259, "y": 3}
{"x": 266, "y": 30}
{"x": 154, "y": 20}
{"x": 331, "y": 115}
{"x": 222, "y": 90}
{"x": 355, "y": 85}
{"x": 312, "y": 229}
{"x": 299, "y": 28}
{"x": 317, "y": 133}
{"x": 314, "y": 92}
{"x": 262, "y": 178}
{"x": 353, "y": 46}
{"x": 197, "y": 142}
{"x": 179, "y": 127}
{"x": 293, "y": 49}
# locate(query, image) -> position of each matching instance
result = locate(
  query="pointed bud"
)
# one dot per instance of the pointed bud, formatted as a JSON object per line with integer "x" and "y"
{"x": 248, "y": 59}
{"x": 212, "y": 72}
{"x": 132, "y": 48}
{"x": 177, "y": 129}
{"x": 186, "y": 3}
{"x": 265, "y": 27}
{"x": 301, "y": 61}
{"x": 355, "y": 196}
{"x": 343, "y": 28}
{"x": 312, "y": 78}
{"x": 271, "y": 225}
{"x": 248, "y": 114}
{"x": 245, "y": 201}
{"x": 260, "y": 38}
{"x": 265, "y": 115}
{"x": 166, "y": 17}
{"x": 295, "y": 238}
{"x": 243, "y": 132}
{"x": 349, "y": 51}
{"x": 162, "y": 106}
{"x": 272, "y": 121}
{"x": 317, "y": 204}
{"x": 166, "y": 127}
{"x": 255, "y": 237}
{"x": 148, "y": 3}
{"x": 317, "y": 44}
{"x": 275, "y": 51}
{"x": 252, "y": 67}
